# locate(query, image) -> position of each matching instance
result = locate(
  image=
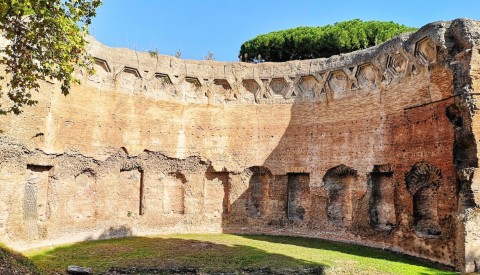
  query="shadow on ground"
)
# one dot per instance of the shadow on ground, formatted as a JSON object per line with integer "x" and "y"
{"x": 351, "y": 249}
{"x": 226, "y": 254}
{"x": 142, "y": 255}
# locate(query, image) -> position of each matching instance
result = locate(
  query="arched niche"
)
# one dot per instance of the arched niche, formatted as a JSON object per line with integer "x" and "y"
{"x": 259, "y": 181}
{"x": 339, "y": 181}
{"x": 216, "y": 188}
{"x": 423, "y": 181}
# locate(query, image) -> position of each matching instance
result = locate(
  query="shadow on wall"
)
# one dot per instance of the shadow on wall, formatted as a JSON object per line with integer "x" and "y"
{"x": 112, "y": 233}
{"x": 309, "y": 185}
{"x": 303, "y": 184}
{"x": 273, "y": 195}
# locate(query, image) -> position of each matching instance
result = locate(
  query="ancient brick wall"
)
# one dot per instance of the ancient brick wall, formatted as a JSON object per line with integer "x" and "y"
{"x": 376, "y": 147}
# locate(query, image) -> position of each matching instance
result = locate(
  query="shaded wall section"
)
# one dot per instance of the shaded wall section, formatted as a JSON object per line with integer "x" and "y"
{"x": 374, "y": 147}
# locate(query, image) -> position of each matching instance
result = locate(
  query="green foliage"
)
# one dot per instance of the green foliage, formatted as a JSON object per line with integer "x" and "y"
{"x": 45, "y": 41}
{"x": 315, "y": 42}
{"x": 154, "y": 53}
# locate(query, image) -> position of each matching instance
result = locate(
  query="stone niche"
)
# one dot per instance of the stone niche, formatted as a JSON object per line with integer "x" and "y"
{"x": 83, "y": 206}
{"x": 131, "y": 193}
{"x": 339, "y": 182}
{"x": 252, "y": 87}
{"x": 338, "y": 81}
{"x": 129, "y": 79}
{"x": 423, "y": 181}
{"x": 259, "y": 181}
{"x": 223, "y": 83}
{"x": 279, "y": 87}
{"x": 36, "y": 200}
{"x": 174, "y": 193}
{"x": 103, "y": 77}
{"x": 382, "y": 199}
{"x": 217, "y": 188}
{"x": 367, "y": 76}
{"x": 217, "y": 144}
{"x": 298, "y": 198}
{"x": 160, "y": 82}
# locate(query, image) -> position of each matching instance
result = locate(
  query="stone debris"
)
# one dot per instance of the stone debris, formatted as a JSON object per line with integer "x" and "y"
{"x": 79, "y": 270}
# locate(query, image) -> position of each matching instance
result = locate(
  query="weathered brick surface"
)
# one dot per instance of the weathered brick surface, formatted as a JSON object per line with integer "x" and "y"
{"x": 376, "y": 147}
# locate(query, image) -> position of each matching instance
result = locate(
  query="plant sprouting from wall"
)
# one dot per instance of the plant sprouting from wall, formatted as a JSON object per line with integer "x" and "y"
{"x": 209, "y": 56}
{"x": 178, "y": 54}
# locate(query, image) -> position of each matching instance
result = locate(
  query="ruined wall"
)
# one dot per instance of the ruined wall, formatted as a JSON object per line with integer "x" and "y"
{"x": 374, "y": 147}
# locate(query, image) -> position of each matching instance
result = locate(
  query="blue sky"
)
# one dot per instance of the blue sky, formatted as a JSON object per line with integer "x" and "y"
{"x": 221, "y": 26}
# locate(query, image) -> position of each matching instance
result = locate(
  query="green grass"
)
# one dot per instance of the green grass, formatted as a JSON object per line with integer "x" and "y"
{"x": 229, "y": 253}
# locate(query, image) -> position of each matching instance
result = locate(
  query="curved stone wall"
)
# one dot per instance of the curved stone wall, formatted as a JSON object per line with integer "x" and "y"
{"x": 375, "y": 147}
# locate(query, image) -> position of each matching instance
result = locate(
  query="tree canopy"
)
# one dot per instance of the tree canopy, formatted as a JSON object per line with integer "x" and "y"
{"x": 45, "y": 40}
{"x": 315, "y": 42}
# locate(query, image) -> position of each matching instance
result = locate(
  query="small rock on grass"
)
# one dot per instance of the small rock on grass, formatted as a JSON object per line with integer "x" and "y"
{"x": 78, "y": 270}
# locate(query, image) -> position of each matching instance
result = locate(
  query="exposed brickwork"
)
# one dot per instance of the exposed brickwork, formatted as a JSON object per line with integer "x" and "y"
{"x": 376, "y": 147}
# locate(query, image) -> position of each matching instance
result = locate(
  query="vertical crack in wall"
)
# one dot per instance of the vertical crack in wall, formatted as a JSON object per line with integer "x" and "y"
{"x": 141, "y": 206}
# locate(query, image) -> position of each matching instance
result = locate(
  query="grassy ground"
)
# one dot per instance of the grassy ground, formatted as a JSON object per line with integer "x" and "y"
{"x": 229, "y": 253}
{"x": 12, "y": 263}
